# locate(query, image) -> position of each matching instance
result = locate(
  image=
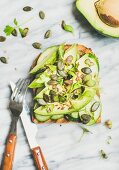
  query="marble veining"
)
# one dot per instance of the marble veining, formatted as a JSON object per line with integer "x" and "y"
{"x": 60, "y": 144}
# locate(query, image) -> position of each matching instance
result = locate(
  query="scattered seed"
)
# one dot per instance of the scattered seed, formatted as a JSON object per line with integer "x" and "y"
{"x": 103, "y": 154}
{"x": 108, "y": 124}
{"x": 69, "y": 60}
{"x": 52, "y": 82}
{"x": 48, "y": 34}
{"x": 46, "y": 97}
{"x": 2, "y": 39}
{"x": 3, "y": 60}
{"x": 68, "y": 82}
{"x": 89, "y": 62}
{"x": 27, "y": 8}
{"x": 37, "y": 45}
{"x": 14, "y": 32}
{"x": 54, "y": 77}
{"x": 62, "y": 73}
{"x": 86, "y": 70}
{"x": 85, "y": 118}
{"x": 41, "y": 14}
{"x": 60, "y": 65}
{"x": 95, "y": 106}
{"x": 90, "y": 83}
{"x": 24, "y": 32}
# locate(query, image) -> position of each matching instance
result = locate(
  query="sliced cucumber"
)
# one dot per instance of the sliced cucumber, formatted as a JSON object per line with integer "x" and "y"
{"x": 94, "y": 67}
{"x": 56, "y": 117}
{"x": 41, "y": 118}
{"x": 76, "y": 105}
{"x": 47, "y": 57}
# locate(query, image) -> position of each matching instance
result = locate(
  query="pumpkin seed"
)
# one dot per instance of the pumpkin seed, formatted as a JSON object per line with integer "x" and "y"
{"x": 41, "y": 14}
{"x": 69, "y": 60}
{"x": 48, "y": 34}
{"x": 68, "y": 82}
{"x": 27, "y": 8}
{"x": 41, "y": 102}
{"x": 95, "y": 106}
{"x": 90, "y": 83}
{"x": 62, "y": 73}
{"x": 37, "y": 45}
{"x": 87, "y": 78}
{"x": 46, "y": 97}
{"x": 2, "y": 39}
{"x": 85, "y": 118}
{"x": 108, "y": 123}
{"x": 14, "y": 32}
{"x": 3, "y": 60}
{"x": 103, "y": 154}
{"x": 60, "y": 65}
{"x": 52, "y": 82}
{"x": 89, "y": 62}
{"x": 24, "y": 32}
{"x": 54, "y": 77}
{"x": 86, "y": 70}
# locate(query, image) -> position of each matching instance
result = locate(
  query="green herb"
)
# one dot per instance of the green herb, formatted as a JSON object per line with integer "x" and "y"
{"x": 103, "y": 154}
{"x": 85, "y": 131}
{"x": 66, "y": 27}
{"x": 10, "y": 30}
{"x": 47, "y": 34}
{"x": 37, "y": 45}
{"x": 23, "y": 32}
{"x": 15, "y": 22}
{"x": 2, "y": 39}
{"x": 14, "y": 32}
{"x": 41, "y": 14}
{"x": 27, "y": 8}
{"x": 3, "y": 60}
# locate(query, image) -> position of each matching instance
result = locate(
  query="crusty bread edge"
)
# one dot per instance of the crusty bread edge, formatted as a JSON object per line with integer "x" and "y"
{"x": 82, "y": 50}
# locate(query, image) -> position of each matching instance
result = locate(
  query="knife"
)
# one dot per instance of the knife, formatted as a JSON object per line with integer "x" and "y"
{"x": 31, "y": 130}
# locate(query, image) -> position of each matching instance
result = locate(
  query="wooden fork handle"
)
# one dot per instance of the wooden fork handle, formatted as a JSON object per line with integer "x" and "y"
{"x": 39, "y": 158}
{"x": 9, "y": 152}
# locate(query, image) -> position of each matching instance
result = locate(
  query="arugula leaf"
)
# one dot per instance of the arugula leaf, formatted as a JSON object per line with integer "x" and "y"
{"x": 15, "y": 22}
{"x": 8, "y": 30}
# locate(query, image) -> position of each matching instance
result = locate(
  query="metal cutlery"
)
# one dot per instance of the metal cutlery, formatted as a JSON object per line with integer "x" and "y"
{"x": 31, "y": 130}
{"x": 16, "y": 107}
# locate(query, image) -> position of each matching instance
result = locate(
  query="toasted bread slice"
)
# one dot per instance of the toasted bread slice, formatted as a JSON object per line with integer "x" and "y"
{"x": 82, "y": 50}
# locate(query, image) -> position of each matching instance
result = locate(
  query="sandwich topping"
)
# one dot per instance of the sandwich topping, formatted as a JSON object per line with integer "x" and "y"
{"x": 66, "y": 85}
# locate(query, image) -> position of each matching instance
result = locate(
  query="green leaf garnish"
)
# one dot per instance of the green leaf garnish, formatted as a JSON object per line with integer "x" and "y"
{"x": 15, "y": 22}
{"x": 66, "y": 27}
{"x": 8, "y": 30}
{"x": 85, "y": 131}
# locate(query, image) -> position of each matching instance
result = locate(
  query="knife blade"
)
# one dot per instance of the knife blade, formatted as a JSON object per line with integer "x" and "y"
{"x": 31, "y": 131}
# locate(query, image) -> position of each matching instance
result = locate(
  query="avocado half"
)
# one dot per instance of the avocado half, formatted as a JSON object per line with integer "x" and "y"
{"x": 88, "y": 9}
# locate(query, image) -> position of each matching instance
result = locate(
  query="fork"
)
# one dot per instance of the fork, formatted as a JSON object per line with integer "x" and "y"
{"x": 16, "y": 107}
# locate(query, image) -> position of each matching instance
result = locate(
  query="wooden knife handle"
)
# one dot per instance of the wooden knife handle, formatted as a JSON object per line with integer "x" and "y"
{"x": 39, "y": 158}
{"x": 9, "y": 152}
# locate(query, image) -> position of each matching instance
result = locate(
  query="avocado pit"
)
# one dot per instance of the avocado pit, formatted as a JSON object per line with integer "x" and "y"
{"x": 108, "y": 11}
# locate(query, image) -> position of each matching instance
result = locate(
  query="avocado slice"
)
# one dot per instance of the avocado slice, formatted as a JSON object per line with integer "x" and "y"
{"x": 88, "y": 9}
{"x": 47, "y": 57}
{"x": 76, "y": 105}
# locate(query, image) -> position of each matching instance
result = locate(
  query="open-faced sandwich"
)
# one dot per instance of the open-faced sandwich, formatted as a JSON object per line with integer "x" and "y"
{"x": 66, "y": 85}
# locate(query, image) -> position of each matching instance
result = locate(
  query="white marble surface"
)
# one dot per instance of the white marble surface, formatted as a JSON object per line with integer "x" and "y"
{"x": 60, "y": 145}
